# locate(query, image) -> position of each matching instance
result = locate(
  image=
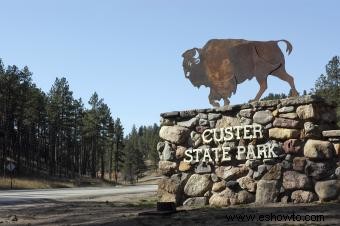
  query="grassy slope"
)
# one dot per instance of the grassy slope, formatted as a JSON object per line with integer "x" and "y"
{"x": 34, "y": 183}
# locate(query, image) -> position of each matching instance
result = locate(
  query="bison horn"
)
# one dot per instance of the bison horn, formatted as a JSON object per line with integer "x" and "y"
{"x": 198, "y": 51}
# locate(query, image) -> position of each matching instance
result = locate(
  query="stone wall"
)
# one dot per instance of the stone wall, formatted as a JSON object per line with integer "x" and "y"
{"x": 307, "y": 168}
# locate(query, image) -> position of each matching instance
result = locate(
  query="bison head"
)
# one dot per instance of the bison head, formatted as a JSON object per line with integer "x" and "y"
{"x": 193, "y": 67}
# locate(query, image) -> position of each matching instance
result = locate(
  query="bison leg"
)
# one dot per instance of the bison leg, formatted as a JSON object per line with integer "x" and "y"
{"x": 213, "y": 98}
{"x": 262, "y": 80}
{"x": 226, "y": 101}
{"x": 283, "y": 75}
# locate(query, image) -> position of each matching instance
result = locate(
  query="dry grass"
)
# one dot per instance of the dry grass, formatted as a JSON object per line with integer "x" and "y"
{"x": 33, "y": 183}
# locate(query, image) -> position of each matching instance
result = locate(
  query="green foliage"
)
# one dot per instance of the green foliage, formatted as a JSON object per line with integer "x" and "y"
{"x": 148, "y": 139}
{"x": 22, "y": 117}
{"x": 140, "y": 146}
{"x": 134, "y": 159}
{"x": 118, "y": 140}
{"x": 55, "y": 134}
{"x": 328, "y": 85}
{"x": 274, "y": 96}
{"x": 60, "y": 123}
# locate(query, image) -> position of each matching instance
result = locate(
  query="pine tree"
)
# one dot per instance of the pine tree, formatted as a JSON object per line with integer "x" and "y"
{"x": 328, "y": 85}
{"x": 92, "y": 131}
{"x": 134, "y": 164}
{"x": 119, "y": 145}
{"x": 148, "y": 139}
{"x": 111, "y": 135}
{"x": 78, "y": 114}
{"x": 104, "y": 141}
{"x": 59, "y": 111}
{"x": 152, "y": 144}
{"x": 53, "y": 133}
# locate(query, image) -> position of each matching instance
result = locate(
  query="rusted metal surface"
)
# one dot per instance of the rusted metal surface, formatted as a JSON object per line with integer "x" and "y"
{"x": 223, "y": 63}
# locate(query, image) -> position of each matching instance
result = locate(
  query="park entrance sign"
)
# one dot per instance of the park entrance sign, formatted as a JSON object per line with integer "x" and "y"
{"x": 221, "y": 154}
{"x": 284, "y": 150}
{"x": 265, "y": 151}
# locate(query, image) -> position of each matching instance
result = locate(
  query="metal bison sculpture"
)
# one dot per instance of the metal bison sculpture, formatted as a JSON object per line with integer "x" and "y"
{"x": 223, "y": 63}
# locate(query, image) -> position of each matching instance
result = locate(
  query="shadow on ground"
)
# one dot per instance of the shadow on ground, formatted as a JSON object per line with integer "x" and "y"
{"x": 323, "y": 214}
{"x": 115, "y": 213}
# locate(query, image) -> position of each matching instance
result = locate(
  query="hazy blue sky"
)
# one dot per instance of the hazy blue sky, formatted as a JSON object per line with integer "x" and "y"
{"x": 130, "y": 51}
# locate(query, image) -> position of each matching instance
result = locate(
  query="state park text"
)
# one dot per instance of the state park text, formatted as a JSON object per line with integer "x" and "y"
{"x": 222, "y": 153}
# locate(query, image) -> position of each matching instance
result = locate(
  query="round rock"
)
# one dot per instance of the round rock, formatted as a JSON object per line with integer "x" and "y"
{"x": 318, "y": 149}
{"x": 197, "y": 185}
{"x": 327, "y": 190}
{"x": 174, "y": 134}
{"x": 263, "y": 117}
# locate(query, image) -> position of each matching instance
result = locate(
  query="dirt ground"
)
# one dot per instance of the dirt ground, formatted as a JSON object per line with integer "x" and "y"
{"x": 125, "y": 209}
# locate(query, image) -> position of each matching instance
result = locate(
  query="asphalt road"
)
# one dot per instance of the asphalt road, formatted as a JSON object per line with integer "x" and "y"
{"x": 13, "y": 197}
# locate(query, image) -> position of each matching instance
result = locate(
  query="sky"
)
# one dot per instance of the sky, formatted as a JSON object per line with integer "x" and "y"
{"x": 129, "y": 52}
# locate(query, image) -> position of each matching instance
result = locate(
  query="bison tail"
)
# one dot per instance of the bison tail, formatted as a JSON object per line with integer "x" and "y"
{"x": 289, "y": 46}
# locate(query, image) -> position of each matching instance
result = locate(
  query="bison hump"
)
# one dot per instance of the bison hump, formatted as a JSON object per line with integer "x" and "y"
{"x": 242, "y": 59}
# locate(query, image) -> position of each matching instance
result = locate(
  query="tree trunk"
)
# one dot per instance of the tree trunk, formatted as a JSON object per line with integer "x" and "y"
{"x": 102, "y": 171}
{"x": 110, "y": 163}
{"x": 116, "y": 163}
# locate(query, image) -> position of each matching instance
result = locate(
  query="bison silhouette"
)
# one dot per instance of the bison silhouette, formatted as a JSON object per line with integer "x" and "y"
{"x": 223, "y": 63}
